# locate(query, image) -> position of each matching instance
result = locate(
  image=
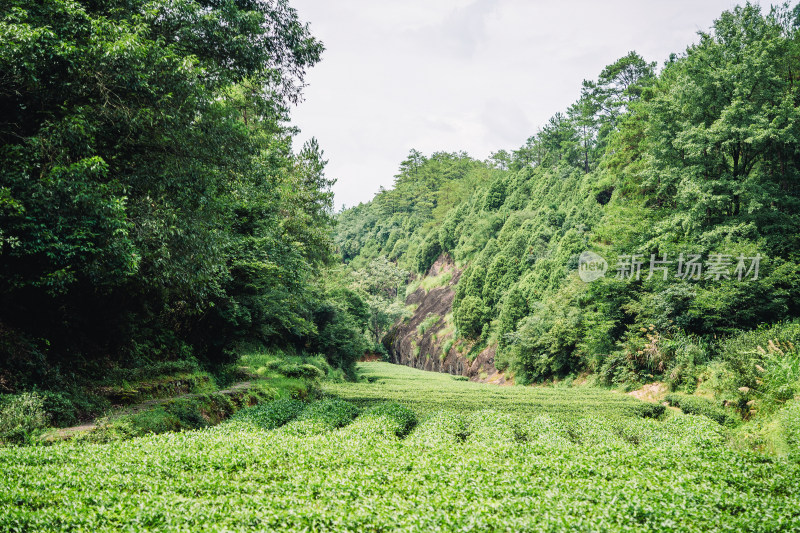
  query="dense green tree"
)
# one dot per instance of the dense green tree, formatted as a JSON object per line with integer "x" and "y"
{"x": 470, "y": 316}
{"x": 379, "y": 282}
{"x": 724, "y": 129}
{"x": 701, "y": 157}
{"x": 151, "y": 205}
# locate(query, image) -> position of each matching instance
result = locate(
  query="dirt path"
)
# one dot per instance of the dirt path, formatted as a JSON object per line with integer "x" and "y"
{"x": 63, "y": 433}
{"x": 652, "y": 392}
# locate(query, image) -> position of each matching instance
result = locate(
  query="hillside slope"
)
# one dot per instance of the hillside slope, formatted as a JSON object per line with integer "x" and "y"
{"x": 683, "y": 184}
{"x": 426, "y": 340}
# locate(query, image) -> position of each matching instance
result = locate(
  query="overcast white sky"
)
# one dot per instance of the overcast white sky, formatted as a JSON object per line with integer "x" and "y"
{"x": 473, "y": 75}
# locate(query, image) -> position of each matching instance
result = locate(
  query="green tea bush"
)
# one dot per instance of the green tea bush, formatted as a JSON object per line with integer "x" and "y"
{"x": 701, "y": 406}
{"x": 398, "y": 418}
{"x": 594, "y": 432}
{"x": 428, "y": 392}
{"x": 305, "y": 428}
{"x": 647, "y": 410}
{"x": 444, "y": 427}
{"x": 491, "y": 427}
{"x": 270, "y": 415}
{"x": 482, "y": 458}
{"x": 692, "y": 431}
{"x": 332, "y": 412}
{"x": 321, "y": 417}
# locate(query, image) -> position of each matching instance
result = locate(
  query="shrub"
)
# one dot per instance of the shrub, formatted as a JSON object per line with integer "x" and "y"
{"x": 286, "y": 368}
{"x": 648, "y": 410}
{"x": 307, "y": 371}
{"x": 766, "y": 363}
{"x": 337, "y": 375}
{"x": 189, "y": 414}
{"x": 271, "y": 415}
{"x": 426, "y": 324}
{"x": 695, "y": 405}
{"x": 295, "y": 370}
{"x": 431, "y": 282}
{"x": 158, "y": 420}
{"x": 442, "y": 428}
{"x": 493, "y": 427}
{"x": 617, "y": 368}
{"x": 790, "y": 424}
{"x": 21, "y": 417}
{"x": 544, "y": 345}
{"x": 448, "y": 344}
{"x": 688, "y": 354}
{"x": 400, "y": 419}
{"x": 334, "y": 413}
{"x": 153, "y": 370}
{"x": 340, "y": 338}
{"x": 59, "y": 408}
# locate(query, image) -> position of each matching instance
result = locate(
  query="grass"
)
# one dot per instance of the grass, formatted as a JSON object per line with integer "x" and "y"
{"x": 412, "y": 287}
{"x": 440, "y": 280}
{"x": 268, "y": 364}
{"x": 426, "y": 324}
{"x": 156, "y": 402}
{"x": 406, "y": 450}
{"x": 429, "y": 282}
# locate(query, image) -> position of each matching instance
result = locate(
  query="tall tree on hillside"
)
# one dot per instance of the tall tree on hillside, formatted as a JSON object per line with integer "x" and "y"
{"x": 725, "y": 128}
{"x": 597, "y": 113}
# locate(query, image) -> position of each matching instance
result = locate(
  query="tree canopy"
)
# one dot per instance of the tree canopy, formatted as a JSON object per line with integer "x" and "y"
{"x": 697, "y": 160}
{"x": 151, "y": 203}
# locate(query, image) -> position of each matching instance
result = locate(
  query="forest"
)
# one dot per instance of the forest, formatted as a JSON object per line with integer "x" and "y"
{"x": 153, "y": 209}
{"x": 695, "y": 163}
{"x": 193, "y": 339}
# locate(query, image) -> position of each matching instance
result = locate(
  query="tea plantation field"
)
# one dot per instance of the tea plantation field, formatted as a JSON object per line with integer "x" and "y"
{"x": 412, "y": 451}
